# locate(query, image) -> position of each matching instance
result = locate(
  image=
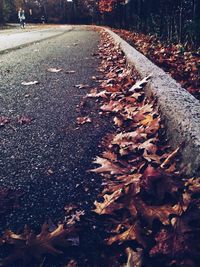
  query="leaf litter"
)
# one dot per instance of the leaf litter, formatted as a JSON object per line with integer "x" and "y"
{"x": 148, "y": 210}
{"x": 176, "y": 59}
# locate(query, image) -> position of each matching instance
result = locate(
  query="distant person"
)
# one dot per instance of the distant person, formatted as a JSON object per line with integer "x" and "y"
{"x": 22, "y": 18}
{"x": 43, "y": 19}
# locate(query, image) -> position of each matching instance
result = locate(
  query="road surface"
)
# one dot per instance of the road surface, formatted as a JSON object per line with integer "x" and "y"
{"x": 16, "y": 38}
{"x": 47, "y": 159}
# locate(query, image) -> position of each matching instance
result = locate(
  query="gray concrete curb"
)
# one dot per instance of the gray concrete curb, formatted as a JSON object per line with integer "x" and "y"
{"x": 179, "y": 109}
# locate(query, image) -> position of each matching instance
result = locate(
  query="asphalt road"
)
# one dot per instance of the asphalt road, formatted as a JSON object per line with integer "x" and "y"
{"x": 16, "y": 38}
{"x": 47, "y": 160}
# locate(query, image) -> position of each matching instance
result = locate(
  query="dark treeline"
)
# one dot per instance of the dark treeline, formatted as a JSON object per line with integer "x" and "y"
{"x": 170, "y": 20}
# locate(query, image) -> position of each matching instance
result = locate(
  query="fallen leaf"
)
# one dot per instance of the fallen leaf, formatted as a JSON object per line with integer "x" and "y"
{"x": 70, "y": 71}
{"x": 83, "y": 120}
{"x": 54, "y": 70}
{"x": 108, "y": 166}
{"x": 139, "y": 84}
{"x": 24, "y": 120}
{"x": 109, "y": 204}
{"x": 4, "y": 121}
{"x": 82, "y": 86}
{"x": 30, "y": 83}
{"x": 28, "y": 246}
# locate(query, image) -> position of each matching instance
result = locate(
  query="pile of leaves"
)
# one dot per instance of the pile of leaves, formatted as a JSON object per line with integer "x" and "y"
{"x": 182, "y": 63}
{"x": 148, "y": 211}
{"x": 153, "y": 212}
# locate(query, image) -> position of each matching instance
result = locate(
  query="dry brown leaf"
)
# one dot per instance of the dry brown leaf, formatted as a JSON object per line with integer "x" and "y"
{"x": 171, "y": 156}
{"x": 109, "y": 205}
{"x": 83, "y": 120}
{"x": 128, "y": 235}
{"x": 161, "y": 213}
{"x": 108, "y": 166}
{"x": 28, "y": 246}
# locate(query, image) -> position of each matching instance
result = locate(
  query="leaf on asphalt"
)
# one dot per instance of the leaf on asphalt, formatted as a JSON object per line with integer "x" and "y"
{"x": 83, "y": 120}
{"x": 82, "y": 86}
{"x": 4, "y": 121}
{"x": 24, "y": 120}
{"x": 70, "y": 71}
{"x": 30, "y": 83}
{"x": 54, "y": 70}
{"x": 29, "y": 246}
